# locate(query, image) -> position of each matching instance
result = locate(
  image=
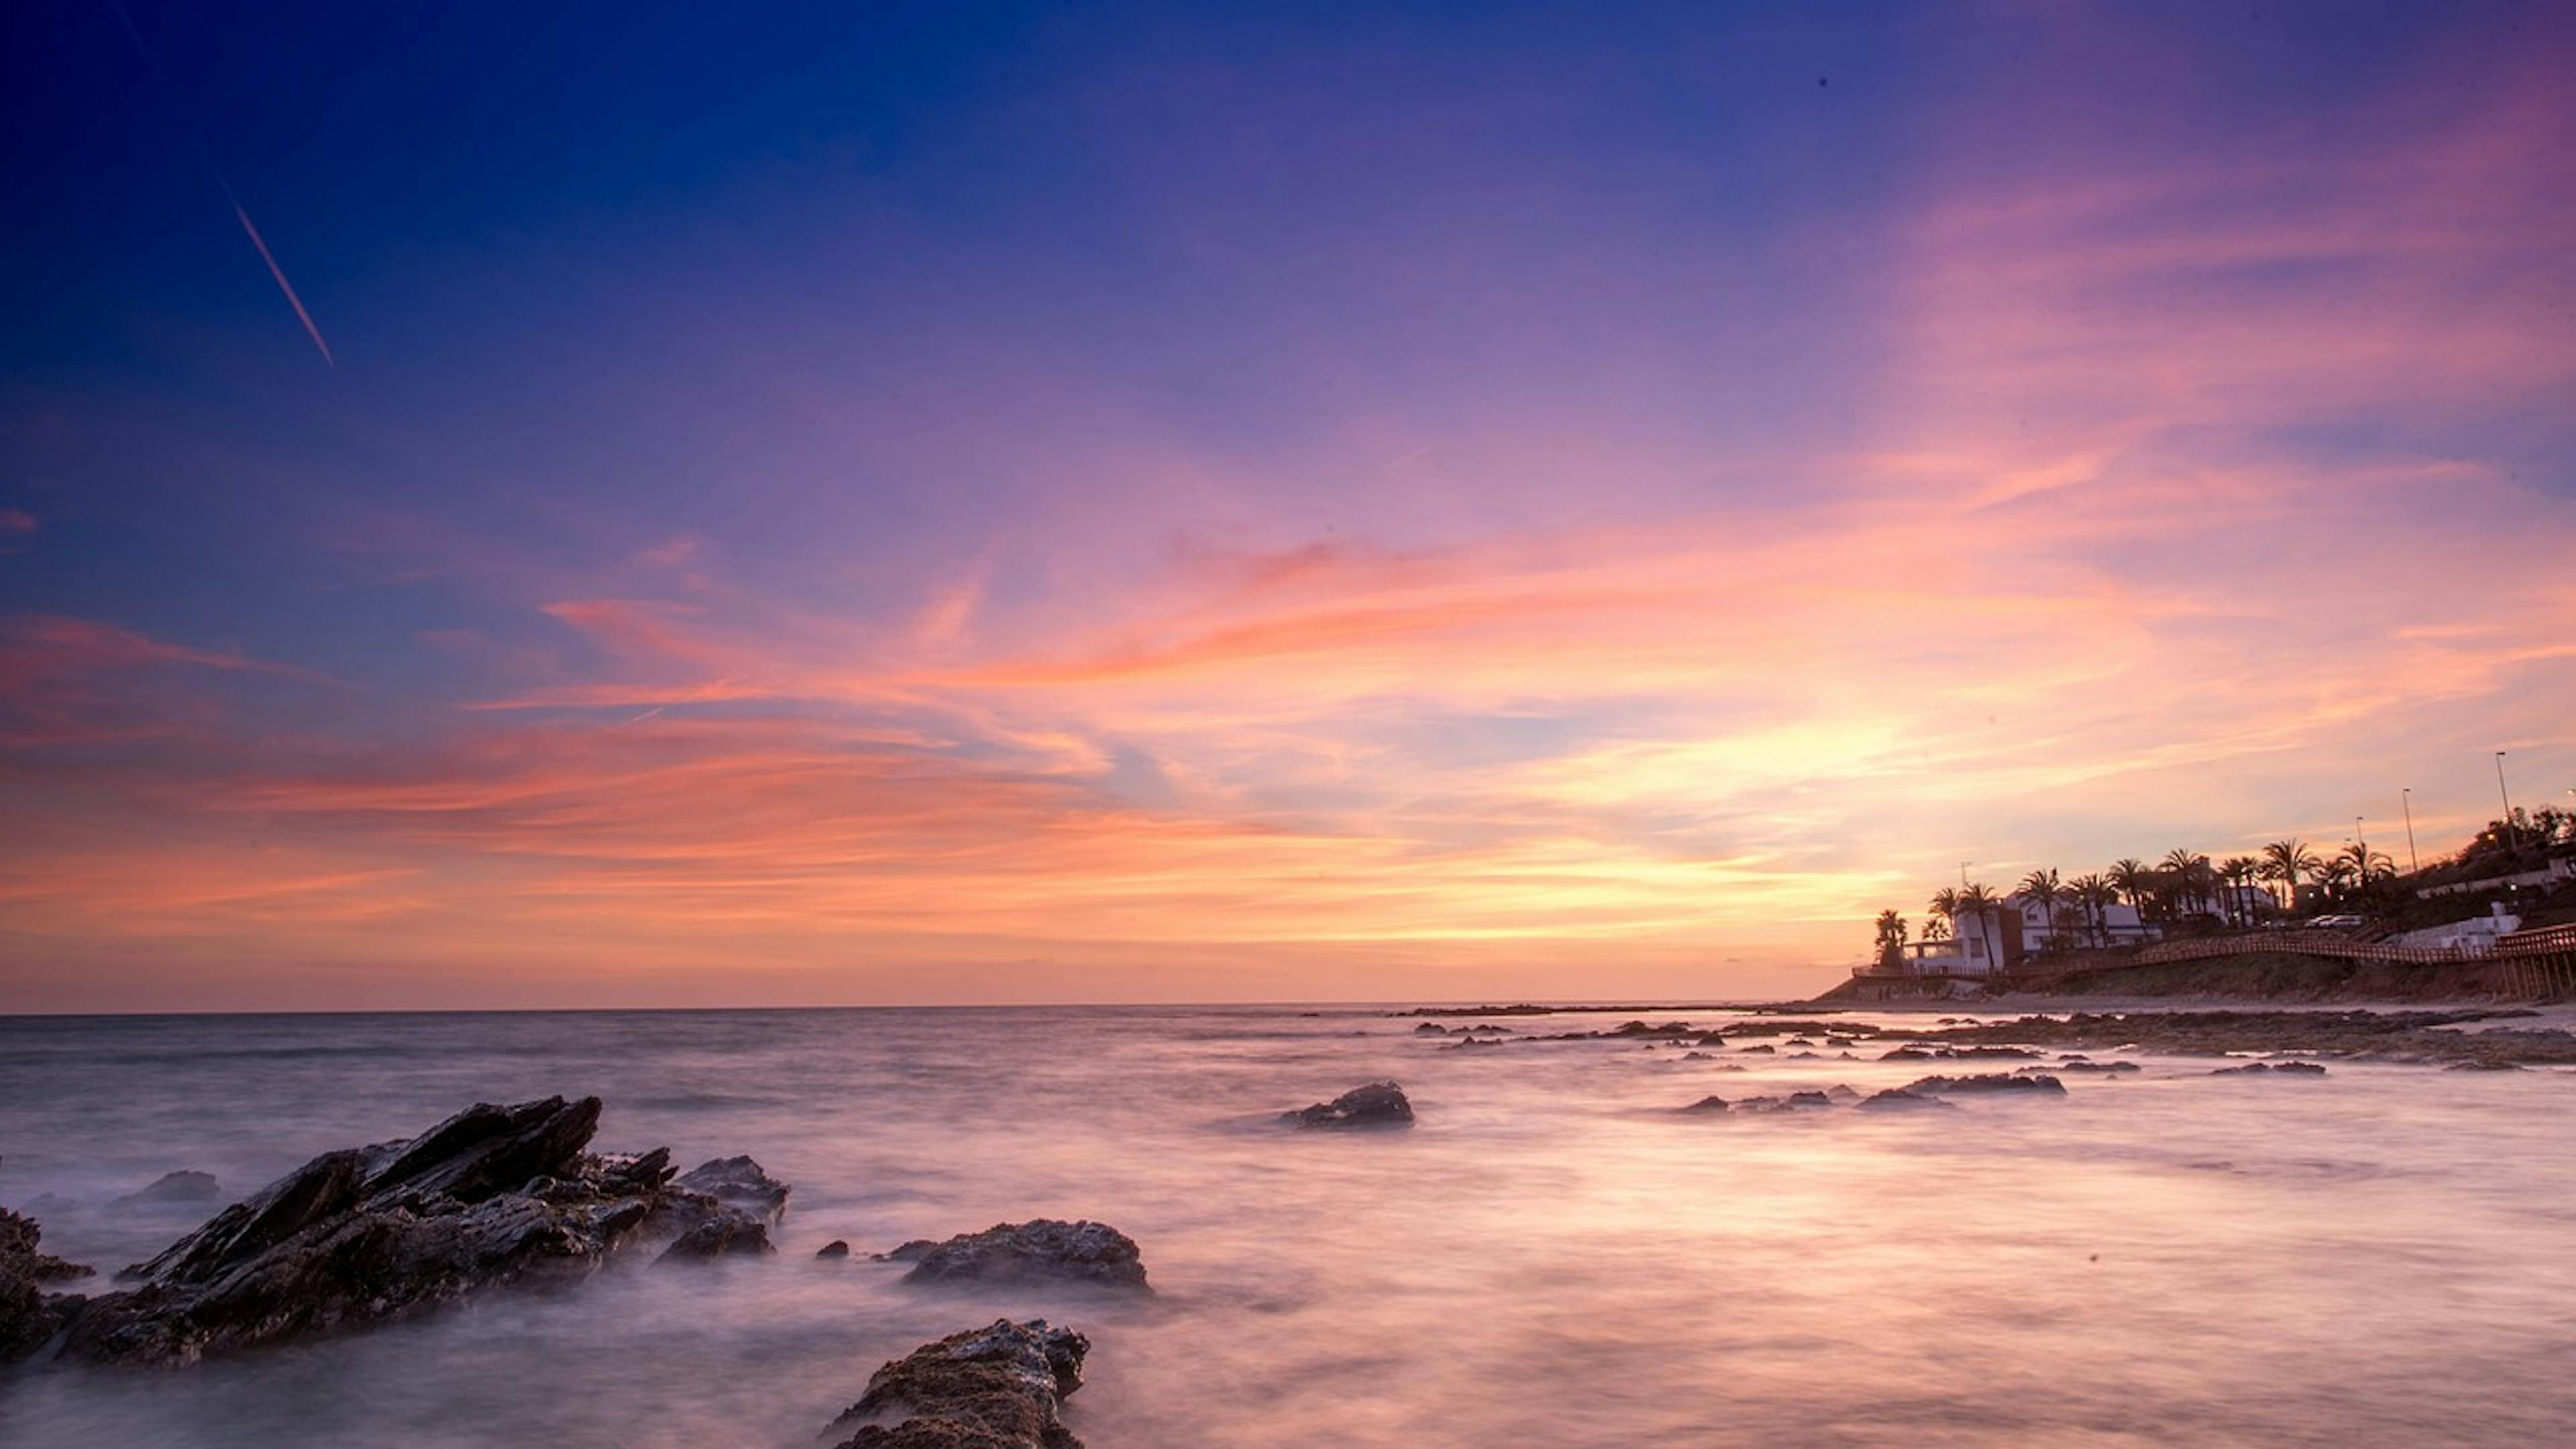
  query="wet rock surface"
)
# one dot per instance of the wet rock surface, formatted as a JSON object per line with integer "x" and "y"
{"x": 1000, "y": 1387}
{"x": 837, "y": 1248}
{"x": 2033, "y": 1082}
{"x": 2395, "y": 1036}
{"x": 1379, "y": 1104}
{"x": 494, "y": 1195}
{"x": 1040, "y": 1250}
{"x": 1903, "y": 1099}
{"x": 741, "y": 1184}
{"x": 29, "y": 1314}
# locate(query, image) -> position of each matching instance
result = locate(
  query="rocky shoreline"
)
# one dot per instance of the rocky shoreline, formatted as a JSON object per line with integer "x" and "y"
{"x": 512, "y": 1197}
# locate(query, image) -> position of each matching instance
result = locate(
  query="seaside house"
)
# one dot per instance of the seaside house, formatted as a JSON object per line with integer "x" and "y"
{"x": 2029, "y": 921}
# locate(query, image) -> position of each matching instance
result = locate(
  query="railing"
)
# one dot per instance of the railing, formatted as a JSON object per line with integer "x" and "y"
{"x": 2547, "y": 941}
{"x": 2308, "y": 943}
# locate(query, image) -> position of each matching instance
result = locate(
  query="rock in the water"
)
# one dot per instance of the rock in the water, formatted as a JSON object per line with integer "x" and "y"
{"x": 1898, "y": 1099}
{"x": 493, "y": 1195}
{"x": 28, "y": 1314}
{"x": 1432, "y": 1028}
{"x": 722, "y": 1236}
{"x": 837, "y": 1248}
{"x": 1705, "y": 1106}
{"x": 1992, "y": 1082}
{"x": 2265, "y": 1069}
{"x": 1379, "y": 1104}
{"x": 176, "y": 1189}
{"x": 1040, "y": 1250}
{"x": 739, "y": 1182}
{"x": 1001, "y": 1387}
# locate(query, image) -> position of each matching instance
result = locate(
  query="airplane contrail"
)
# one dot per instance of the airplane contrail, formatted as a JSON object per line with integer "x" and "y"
{"x": 249, "y": 228}
{"x": 279, "y": 273}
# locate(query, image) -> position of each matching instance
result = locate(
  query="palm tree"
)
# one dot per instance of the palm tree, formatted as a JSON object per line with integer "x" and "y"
{"x": 2238, "y": 871}
{"x": 2366, "y": 865}
{"x": 2132, "y": 879}
{"x": 1981, "y": 903}
{"x": 2285, "y": 861}
{"x": 2095, "y": 895}
{"x": 2337, "y": 876}
{"x": 2189, "y": 871}
{"x": 1936, "y": 927}
{"x": 1891, "y": 941}
{"x": 2042, "y": 889}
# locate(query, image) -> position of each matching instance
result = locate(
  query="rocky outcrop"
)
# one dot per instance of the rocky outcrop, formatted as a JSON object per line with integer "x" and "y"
{"x": 1001, "y": 1387}
{"x": 837, "y": 1248}
{"x": 492, "y": 1196}
{"x": 2266, "y": 1069}
{"x": 1379, "y": 1104}
{"x": 1040, "y": 1250}
{"x": 739, "y": 1183}
{"x": 1899, "y": 1099}
{"x": 1705, "y": 1106}
{"x": 29, "y": 1315}
{"x": 2039, "y": 1082}
{"x": 176, "y": 1189}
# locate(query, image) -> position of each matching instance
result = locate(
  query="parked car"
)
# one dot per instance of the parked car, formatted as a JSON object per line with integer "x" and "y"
{"x": 2336, "y": 923}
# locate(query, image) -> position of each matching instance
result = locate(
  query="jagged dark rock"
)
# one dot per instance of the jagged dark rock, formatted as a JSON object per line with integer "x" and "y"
{"x": 29, "y": 1316}
{"x": 1765, "y": 1049}
{"x": 1992, "y": 1082}
{"x": 1899, "y": 1099}
{"x": 1379, "y": 1104}
{"x": 1001, "y": 1387}
{"x": 2083, "y": 1064}
{"x": 1705, "y": 1106}
{"x": 177, "y": 1189}
{"x": 1040, "y": 1250}
{"x": 1433, "y": 1028}
{"x": 493, "y": 1195}
{"x": 739, "y": 1182}
{"x": 725, "y": 1235}
{"x": 2265, "y": 1069}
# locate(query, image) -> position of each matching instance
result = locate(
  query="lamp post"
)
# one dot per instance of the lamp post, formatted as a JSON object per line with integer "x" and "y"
{"x": 2512, "y": 837}
{"x": 2406, "y": 802}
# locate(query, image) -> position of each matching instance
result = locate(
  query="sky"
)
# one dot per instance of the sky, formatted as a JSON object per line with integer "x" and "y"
{"x": 668, "y": 505}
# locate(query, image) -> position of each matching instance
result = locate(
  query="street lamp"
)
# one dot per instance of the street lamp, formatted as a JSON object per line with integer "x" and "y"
{"x": 2512, "y": 837}
{"x": 2406, "y": 802}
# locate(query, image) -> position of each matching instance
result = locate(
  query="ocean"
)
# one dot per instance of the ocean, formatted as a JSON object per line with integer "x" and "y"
{"x": 1552, "y": 1256}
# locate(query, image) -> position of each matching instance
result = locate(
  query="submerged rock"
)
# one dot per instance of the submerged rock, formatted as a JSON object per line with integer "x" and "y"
{"x": 1901, "y": 1098}
{"x": 176, "y": 1189}
{"x": 1433, "y": 1028}
{"x": 1042, "y": 1249}
{"x": 1379, "y": 1104}
{"x": 1001, "y": 1387}
{"x": 837, "y": 1248}
{"x": 1993, "y": 1082}
{"x": 739, "y": 1183}
{"x": 725, "y": 1235}
{"x": 493, "y": 1195}
{"x": 2085, "y": 1064}
{"x": 2265, "y": 1069}
{"x": 1705, "y": 1106}
{"x": 28, "y": 1314}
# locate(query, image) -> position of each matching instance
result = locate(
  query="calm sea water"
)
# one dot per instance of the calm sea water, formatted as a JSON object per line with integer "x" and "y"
{"x": 1552, "y": 1257}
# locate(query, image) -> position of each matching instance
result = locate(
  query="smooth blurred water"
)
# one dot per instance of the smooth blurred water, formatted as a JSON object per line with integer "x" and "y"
{"x": 1552, "y": 1257}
